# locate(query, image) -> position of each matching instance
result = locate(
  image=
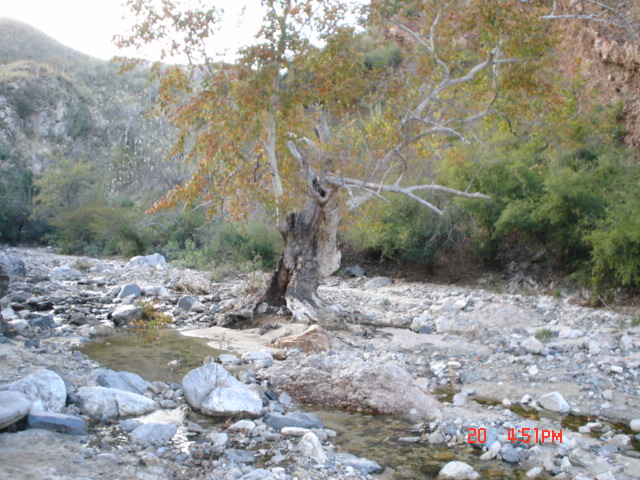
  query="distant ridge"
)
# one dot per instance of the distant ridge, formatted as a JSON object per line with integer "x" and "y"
{"x": 19, "y": 41}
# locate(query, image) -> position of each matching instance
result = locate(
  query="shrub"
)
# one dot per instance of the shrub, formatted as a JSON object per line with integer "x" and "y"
{"x": 403, "y": 230}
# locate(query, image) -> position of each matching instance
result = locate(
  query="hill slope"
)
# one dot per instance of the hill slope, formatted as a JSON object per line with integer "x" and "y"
{"x": 19, "y": 41}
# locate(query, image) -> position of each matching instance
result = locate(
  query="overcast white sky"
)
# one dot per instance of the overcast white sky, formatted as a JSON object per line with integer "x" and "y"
{"x": 89, "y": 25}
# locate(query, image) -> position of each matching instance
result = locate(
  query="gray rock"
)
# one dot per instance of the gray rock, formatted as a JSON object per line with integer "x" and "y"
{"x": 311, "y": 447}
{"x": 460, "y": 399}
{"x": 149, "y": 261}
{"x": 13, "y": 266}
{"x": 14, "y": 406}
{"x": 621, "y": 441}
{"x": 355, "y": 271}
{"x": 56, "y": 422}
{"x": 378, "y": 282}
{"x": 185, "y": 303}
{"x": 582, "y": 458}
{"x": 262, "y": 355}
{"x": 458, "y": 471}
{"x": 127, "y": 381}
{"x": 509, "y": 454}
{"x": 124, "y": 314}
{"x": 278, "y": 421}
{"x": 130, "y": 424}
{"x": 554, "y": 402}
{"x": 109, "y": 403}
{"x": 363, "y": 465}
{"x": 422, "y": 324}
{"x": 258, "y": 474}
{"x": 239, "y": 456}
{"x": 129, "y": 290}
{"x": 41, "y": 320}
{"x": 64, "y": 272}
{"x": 635, "y": 425}
{"x": 153, "y": 433}
{"x": 213, "y": 391}
{"x": 45, "y": 389}
{"x": 228, "y": 359}
{"x": 469, "y": 376}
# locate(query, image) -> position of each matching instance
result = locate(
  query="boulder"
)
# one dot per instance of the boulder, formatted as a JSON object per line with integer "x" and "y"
{"x": 351, "y": 383}
{"x": 14, "y": 406}
{"x": 153, "y": 433}
{"x": 149, "y": 261}
{"x": 458, "y": 471}
{"x": 213, "y": 391}
{"x": 554, "y": 402}
{"x": 110, "y": 403}
{"x": 278, "y": 421}
{"x": 124, "y": 314}
{"x": 127, "y": 381}
{"x": 45, "y": 389}
{"x": 56, "y": 422}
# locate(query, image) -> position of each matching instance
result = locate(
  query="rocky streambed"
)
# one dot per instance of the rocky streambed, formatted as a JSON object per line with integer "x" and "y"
{"x": 506, "y": 370}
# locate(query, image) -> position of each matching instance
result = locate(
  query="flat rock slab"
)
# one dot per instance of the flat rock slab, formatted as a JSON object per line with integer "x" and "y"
{"x": 14, "y": 406}
{"x": 56, "y": 422}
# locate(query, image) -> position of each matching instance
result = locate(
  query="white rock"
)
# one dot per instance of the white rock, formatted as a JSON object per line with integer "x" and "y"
{"x": 532, "y": 345}
{"x": 45, "y": 389}
{"x": 554, "y": 402}
{"x": 110, "y": 403}
{"x": 213, "y": 391}
{"x": 534, "y": 472}
{"x": 310, "y": 446}
{"x": 635, "y": 425}
{"x": 156, "y": 260}
{"x": 458, "y": 471}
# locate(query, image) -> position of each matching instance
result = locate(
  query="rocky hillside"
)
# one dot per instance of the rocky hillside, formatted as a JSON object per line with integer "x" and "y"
{"x": 608, "y": 59}
{"x": 56, "y": 102}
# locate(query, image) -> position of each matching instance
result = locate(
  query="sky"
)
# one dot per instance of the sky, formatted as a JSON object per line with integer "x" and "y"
{"x": 89, "y": 25}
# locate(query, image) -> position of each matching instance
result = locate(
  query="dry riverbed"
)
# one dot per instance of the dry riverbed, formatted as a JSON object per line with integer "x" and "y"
{"x": 515, "y": 368}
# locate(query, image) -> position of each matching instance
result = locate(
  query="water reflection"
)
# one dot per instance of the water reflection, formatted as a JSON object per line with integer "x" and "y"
{"x": 162, "y": 354}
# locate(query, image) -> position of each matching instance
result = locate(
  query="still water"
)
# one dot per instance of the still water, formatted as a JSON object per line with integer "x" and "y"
{"x": 167, "y": 356}
{"x": 163, "y": 354}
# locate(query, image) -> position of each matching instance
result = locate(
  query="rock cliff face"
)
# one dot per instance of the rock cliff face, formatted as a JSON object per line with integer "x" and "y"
{"x": 609, "y": 60}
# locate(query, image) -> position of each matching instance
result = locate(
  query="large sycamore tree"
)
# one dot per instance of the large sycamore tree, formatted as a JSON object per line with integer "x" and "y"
{"x": 335, "y": 104}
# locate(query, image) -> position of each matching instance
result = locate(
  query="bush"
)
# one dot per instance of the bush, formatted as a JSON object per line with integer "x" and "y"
{"x": 575, "y": 195}
{"x": 404, "y": 230}
{"x": 220, "y": 243}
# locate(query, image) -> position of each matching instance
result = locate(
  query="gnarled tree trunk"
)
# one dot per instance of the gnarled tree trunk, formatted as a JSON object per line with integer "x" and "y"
{"x": 310, "y": 255}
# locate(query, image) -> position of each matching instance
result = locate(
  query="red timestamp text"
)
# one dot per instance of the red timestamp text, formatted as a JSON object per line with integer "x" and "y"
{"x": 524, "y": 435}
